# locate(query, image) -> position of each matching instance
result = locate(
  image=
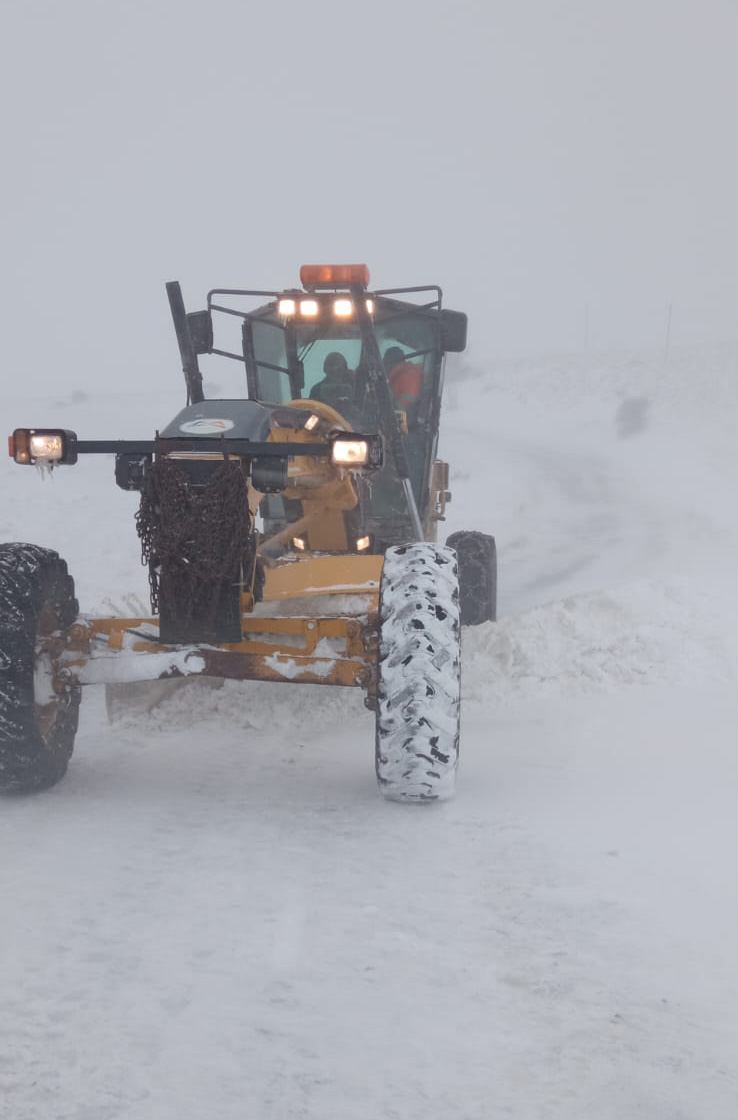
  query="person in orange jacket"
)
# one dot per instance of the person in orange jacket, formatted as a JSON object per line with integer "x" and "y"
{"x": 405, "y": 379}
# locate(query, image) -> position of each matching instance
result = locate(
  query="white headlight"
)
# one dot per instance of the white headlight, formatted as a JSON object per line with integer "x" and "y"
{"x": 370, "y": 306}
{"x": 309, "y": 308}
{"x": 43, "y": 445}
{"x": 343, "y": 308}
{"x": 49, "y": 447}
{"x": 350, "y": 452}
{"x": 286, "y": 307}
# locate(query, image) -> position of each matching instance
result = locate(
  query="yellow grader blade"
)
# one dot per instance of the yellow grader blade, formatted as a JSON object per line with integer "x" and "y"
{"x": 307, "y": 649}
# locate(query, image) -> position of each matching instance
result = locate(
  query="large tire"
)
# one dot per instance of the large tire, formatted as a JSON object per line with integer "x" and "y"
{"x": 477, "y": 555}
{"x": 418, "y": 674}
{"x": 37, "y": 725}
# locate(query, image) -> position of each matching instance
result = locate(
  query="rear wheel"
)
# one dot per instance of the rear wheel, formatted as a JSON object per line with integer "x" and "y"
{"x": 477, "y": 555}
{"x": 418, "y": 674}
{"x": 37, "y": 724}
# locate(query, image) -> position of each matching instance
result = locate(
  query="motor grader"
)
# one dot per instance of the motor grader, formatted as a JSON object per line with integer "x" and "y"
{"x": 290, "y": 534}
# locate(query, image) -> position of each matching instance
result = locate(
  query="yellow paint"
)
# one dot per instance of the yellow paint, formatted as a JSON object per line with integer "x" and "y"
{"x": 323, "y": 575}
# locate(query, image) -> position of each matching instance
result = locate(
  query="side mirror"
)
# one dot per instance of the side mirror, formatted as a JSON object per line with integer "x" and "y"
{"x": 453, "y": 331}
{"x": 200, "y": 326}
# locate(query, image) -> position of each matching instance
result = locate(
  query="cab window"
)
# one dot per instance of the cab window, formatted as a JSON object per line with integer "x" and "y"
{"x": 314, "y": 353}
{"x": 271, "y": 362}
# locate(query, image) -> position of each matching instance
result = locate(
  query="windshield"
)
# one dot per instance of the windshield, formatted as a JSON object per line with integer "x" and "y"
{"x": 313, "y": 353}
{"x": 411, "y": 338}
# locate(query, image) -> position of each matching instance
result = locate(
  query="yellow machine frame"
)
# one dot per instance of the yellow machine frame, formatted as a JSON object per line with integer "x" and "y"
{"x": 276, "y": 647}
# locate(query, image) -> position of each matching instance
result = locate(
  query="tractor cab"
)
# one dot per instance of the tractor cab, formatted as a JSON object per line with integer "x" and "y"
{"x": 375, "y": 357}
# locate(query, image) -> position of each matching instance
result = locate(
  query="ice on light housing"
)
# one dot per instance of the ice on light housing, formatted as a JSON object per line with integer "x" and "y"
{"x": 43, "y": 445}
{"x": 350, "y": 452}
{"x": 286, "y": 307}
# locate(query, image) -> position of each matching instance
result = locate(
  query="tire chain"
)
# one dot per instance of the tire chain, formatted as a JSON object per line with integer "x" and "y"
{"x": 201, "y": 535}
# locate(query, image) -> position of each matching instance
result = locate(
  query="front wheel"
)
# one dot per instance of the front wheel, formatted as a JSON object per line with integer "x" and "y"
{"x": 418, "y": 674}
{"x": 37, "y": 723}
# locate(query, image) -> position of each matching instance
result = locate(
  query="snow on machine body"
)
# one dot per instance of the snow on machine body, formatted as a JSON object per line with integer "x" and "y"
{"x": 334, "y": 448}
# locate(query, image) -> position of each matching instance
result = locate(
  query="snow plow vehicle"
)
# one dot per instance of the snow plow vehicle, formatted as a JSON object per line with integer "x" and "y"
{"x": 290, "y": 535}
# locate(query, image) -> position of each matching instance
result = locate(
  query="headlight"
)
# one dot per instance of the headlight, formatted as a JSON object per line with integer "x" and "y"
{"x": 43, "y": 445}
{"x": 49, "y": 446}
{"x": 309, "y": 308}
{"x": 351, "y": 450}
{"x": 286, "y": 307}
{"x": 343, "y": 308}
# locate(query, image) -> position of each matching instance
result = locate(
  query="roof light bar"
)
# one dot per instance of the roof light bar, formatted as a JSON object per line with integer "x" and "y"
{"x": 343, "y": 308}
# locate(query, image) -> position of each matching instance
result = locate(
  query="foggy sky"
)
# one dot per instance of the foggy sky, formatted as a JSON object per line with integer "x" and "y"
{"x": 550, "y": 163}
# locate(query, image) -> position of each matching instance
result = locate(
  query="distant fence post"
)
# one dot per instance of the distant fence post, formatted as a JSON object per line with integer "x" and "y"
{"x": 667, "y": 341}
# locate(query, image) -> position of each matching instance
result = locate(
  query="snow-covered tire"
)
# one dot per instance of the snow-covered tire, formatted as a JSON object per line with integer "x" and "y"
{"x": 418, "y": 674}
{"x": 37, "y": 726}
{"x": 477, "y": 555}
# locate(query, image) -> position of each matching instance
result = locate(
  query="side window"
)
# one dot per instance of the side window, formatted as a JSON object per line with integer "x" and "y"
{"x": 412, "y": 340}
{"x": 271, "y": 362}
{"x": 409, "y": 390}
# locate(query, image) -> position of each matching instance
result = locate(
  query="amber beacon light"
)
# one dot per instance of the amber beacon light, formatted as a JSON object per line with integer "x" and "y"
{"x": 334, "y": 275}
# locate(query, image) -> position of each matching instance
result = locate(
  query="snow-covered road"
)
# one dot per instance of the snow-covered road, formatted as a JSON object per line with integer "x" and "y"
{"x": 216, "y": 915}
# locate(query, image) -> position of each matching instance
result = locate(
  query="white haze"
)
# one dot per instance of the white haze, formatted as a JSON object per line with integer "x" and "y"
{"x": 216, "y": 915}
{"x": 567, "y": 171}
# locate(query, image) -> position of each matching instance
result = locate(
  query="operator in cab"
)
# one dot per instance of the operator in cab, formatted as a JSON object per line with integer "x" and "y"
{"x": 338, "y": 388}
{"x": 405, "y": 381}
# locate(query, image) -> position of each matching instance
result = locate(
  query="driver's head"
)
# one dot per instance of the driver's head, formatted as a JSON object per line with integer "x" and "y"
{"x": 335, "y": 366}
{"x": 393, "y": 355}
